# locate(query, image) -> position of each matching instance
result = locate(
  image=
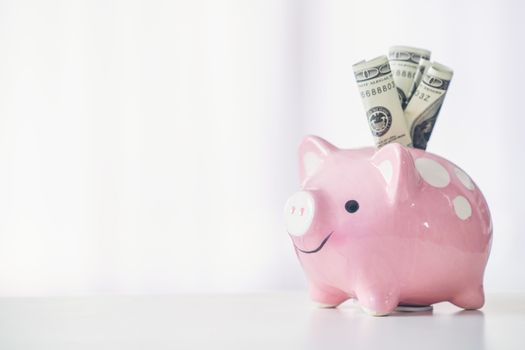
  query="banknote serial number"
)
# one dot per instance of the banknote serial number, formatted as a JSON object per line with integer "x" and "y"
{"x": 404, "y": 74}
{"x": 421, "y": 95}
{"x": 378, "y": 90}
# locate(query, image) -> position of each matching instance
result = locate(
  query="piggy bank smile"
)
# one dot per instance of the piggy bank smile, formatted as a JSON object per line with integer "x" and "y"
{"x": 323, "y": 242}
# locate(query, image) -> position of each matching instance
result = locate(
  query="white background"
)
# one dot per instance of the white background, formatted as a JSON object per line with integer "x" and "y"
{"x": 149, "y": 146}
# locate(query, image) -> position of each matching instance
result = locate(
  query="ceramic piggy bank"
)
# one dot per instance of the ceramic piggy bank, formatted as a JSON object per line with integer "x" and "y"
{"x": 388, "y": 226}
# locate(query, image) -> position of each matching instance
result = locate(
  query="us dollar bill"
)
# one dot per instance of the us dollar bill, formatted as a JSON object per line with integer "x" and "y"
{"x": 404, "y": 61}
{"x": 380, "y": 100}
{"x": 423, "y": 109}
{"x": 422, "y": 69}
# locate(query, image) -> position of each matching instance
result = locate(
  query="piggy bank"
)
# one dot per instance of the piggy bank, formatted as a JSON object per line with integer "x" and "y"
{"x": 388, "y": 227}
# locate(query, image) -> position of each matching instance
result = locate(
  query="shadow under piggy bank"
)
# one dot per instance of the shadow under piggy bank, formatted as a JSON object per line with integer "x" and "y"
{"x": 348, "y": 329}
{"x": 388, "y": 226}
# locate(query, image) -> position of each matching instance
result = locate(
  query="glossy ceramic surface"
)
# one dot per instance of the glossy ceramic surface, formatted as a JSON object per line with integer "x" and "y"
{"x": 388, "y": 226}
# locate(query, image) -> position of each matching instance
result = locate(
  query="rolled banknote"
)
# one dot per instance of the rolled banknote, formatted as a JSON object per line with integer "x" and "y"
{"x": 424, "y": 64}
{"x": 379, "y": 96}
{"x": 404, "y": 62}
{"x": 423, "y": 109}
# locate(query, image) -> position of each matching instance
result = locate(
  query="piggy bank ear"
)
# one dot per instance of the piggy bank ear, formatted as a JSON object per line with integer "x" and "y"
{"x": 396, "y": 165}
{"x": 312, "y": 153}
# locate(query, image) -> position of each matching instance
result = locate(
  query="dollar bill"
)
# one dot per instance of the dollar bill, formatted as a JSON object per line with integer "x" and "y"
{"x": 404, "y": 61}
{"x": 424, "y": 64}
{"x": 423, "y": 109}
{"x": 379, "y": 95}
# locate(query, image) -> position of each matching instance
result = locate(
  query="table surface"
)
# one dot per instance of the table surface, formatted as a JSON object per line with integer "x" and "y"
{"x": 252, "y": 321}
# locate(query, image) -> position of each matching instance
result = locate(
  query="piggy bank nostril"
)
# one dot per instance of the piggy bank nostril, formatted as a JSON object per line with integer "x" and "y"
{"x": 292, "y": 210}
{"x": 301, "y": 211}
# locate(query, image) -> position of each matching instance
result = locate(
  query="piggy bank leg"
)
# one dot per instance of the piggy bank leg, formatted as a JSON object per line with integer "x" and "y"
{"x": 378, "y": 301}
{"x": 470, "y": 299}
{"x": 327, "y": 297}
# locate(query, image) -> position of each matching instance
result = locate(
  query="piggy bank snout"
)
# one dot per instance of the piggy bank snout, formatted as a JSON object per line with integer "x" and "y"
{"x": 299, "y": 212}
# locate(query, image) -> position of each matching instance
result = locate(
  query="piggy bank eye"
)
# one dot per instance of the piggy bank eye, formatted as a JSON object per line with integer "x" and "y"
{"x": 351, "y": 206}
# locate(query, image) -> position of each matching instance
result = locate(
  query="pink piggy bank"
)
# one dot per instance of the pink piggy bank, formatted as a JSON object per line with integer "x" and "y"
{"x": 388, "y": 226}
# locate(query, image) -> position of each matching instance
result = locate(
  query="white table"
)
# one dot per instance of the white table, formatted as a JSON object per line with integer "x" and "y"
{"x": 259, "y": 321}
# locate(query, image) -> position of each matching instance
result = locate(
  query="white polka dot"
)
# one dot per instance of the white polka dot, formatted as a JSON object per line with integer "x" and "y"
{"x": 385, "y": 167}
{"x": 432, "y": 172}
{"x": 462, "y": 207}
{"x": 464, "y": 178}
